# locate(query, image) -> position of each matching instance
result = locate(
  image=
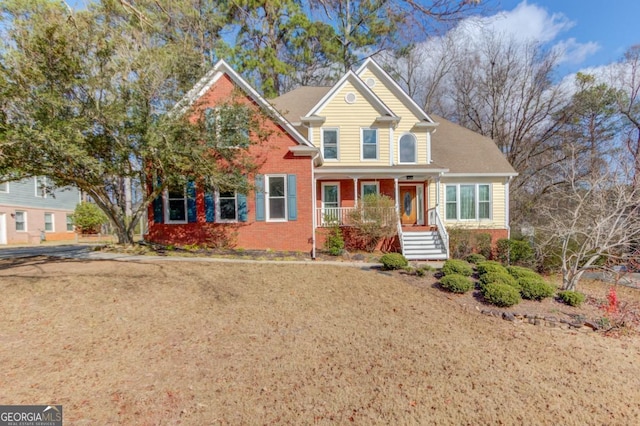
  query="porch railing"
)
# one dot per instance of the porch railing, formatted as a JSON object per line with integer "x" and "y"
{"x": 329, "y": 216}
{"x": 434, "y": 217}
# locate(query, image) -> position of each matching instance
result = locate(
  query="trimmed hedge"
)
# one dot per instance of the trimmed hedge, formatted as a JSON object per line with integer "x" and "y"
{"x": 456, "y": 266}
{"x": 571, "y": 298}
{"x": 456, "y": 283}
{"x": 518, "y": 272}
{"x": 535, "y": 288}
{"x": 475, "y": 258}
{"x": 498, "y": 277}
{"x": 501, "y": 294}
{"x": 392, "y": 261}
{"x": 490, "y": 266}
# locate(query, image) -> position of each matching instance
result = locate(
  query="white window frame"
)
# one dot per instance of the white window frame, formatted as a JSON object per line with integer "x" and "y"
{"x": 218, "y": 205}
{"x": 4, "y": 188}
{"x": 24, "y": 220}
{"x": 53, "y": 222}
{"x": 325, "y": 184}
{"x": 415, "y": 149}
{"x": 476, "y": 202}
{"x": 69, "y": 223}
{"x": 362, "y": 130}
{"x": 41, "y": 190}
{"x": 166, "y": 200}
{"x": 367, "y": 183}
{"x": 330, "y": 129}
{"x": 267, "y": 198}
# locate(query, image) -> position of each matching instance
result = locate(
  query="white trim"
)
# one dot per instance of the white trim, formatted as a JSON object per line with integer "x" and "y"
{"x": 3, "y": 228}
{"x": 40, "y": 190}
{"x": 337, "y": 130}
{"x": 506, "y": 207}
{"x": 362, "y": 129}
{"x": 473, "y": 175}
{"x": 420, "y": 210}
{"x": 369, "y": 182}
{"x": 217, "y": 205}
{"x": 165, "y": 205}
{"x": 402, "y": 96}
{"x": 24, "y": 220}
{"x": 415, "y": 149}
{"x": 429, "y": 160}
{"x": 476, "y": 187}
{"x": 267, "y": 200}
{"x": 391, "y": 150}
{"x": 53, "y": 222}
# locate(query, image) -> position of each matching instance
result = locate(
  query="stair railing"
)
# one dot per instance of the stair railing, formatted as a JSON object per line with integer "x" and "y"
{"x": 442, "y": 232}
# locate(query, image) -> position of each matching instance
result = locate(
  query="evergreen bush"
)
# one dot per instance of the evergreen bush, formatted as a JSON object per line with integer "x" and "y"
{"x": 392, "y": 261}
{"x": 456, "y": 283}
{"x": 456, "y": 266}
{"x": 571, "y": 298}
{"x": 501, "y": 294}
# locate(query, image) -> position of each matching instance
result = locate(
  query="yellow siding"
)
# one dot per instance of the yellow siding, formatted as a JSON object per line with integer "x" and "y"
{"x": 349, "y": 119}
{"x": 498, "y": 203}
{"x": 407, "y": 121}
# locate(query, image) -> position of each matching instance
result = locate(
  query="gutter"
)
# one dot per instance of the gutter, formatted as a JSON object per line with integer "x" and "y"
{"x": 313, "y": 205}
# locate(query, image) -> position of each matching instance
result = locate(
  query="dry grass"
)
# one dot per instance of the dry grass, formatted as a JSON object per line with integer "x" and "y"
{"x": 194, "y": 343}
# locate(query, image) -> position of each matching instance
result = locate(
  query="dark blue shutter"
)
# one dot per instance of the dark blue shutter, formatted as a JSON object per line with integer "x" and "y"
{"x": 292, "y": 206}
{"x": 192, "y": 214}
{"x": 209, "y": 207}
{"x": 157, "y": 206}
{"x": 260, "y": 216}
{"x": 242, "y": 208}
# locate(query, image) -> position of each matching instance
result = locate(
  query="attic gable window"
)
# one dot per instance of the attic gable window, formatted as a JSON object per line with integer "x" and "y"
{"x": 227, "y": 126}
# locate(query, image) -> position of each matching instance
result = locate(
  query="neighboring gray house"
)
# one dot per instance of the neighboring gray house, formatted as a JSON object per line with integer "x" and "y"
{"x": 28, "y": 212}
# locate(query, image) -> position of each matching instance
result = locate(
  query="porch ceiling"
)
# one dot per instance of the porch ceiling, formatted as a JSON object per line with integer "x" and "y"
{"x": 408, "y": 172}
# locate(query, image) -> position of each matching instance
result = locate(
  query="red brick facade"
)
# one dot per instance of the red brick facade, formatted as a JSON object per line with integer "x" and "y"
{"x": 274, "y": 157}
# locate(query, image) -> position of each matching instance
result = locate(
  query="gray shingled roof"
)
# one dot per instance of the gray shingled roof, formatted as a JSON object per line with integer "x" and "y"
{"x": 464, "y": 151}
{"x": 298, "y": 102}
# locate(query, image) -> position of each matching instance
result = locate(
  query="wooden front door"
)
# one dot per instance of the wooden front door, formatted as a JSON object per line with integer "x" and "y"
{"x": 408, "y": 205}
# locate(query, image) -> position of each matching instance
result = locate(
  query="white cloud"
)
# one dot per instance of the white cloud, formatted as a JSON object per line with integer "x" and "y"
{"x": 572, "y": 52}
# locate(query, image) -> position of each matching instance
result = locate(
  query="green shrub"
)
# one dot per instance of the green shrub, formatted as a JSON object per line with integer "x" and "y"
{"x": 571, "y": 298}
{"x": 490, "y": 266}
{"x": 456, "y": 283}
{"x": 518, "y": 272}
{"x": 334, "y": 243}
{"x": 514, "y": 252}
{"x": 475, "y": 258}
{"x": 498, "y": 277}
{"x": 88, "y": 218}
{"x": 456, "y": 266}
{"x": 392, "y": 261}
{"x": 535, "y": 288}
{"x": 501, "y": 294}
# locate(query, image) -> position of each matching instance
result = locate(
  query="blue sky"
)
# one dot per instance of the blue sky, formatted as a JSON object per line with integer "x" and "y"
{"x": 598, "y": 31}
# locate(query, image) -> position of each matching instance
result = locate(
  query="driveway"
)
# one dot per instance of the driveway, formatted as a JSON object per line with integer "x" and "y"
{"x": 66, "y": 250}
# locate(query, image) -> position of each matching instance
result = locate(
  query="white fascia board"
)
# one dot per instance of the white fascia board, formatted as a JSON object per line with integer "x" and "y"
{"x": 506, "y": 174}
{"x": 395, "y": 88}
{"x": 220, "y": 68}
{"x": 356, "y": 81}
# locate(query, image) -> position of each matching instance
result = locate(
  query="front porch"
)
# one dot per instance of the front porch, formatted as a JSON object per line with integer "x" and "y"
{"x": 421, "y": 235}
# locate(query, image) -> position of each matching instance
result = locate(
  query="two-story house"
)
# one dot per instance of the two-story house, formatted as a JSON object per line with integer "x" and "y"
{"x": 30, "y": 213}
{"x": 335, "y": 145}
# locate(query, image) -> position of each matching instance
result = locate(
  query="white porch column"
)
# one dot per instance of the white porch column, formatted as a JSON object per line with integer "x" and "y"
{"x": 397, "y": 190}
{"x": 355, "y": 191}
{"x": 429, "y": 147}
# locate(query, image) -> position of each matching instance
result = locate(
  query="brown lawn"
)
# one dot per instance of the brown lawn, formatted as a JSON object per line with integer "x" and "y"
{"x": 213, "y": 343}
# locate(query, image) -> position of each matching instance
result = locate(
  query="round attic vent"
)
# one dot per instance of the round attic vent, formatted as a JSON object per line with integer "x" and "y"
{"x": 370, "y": 82}
{"x": 350, "y": 98}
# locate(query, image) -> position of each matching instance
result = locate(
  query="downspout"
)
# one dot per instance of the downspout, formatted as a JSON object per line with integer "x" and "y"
{"x": 506, "y": 206}
{"x": 313, "y": 205}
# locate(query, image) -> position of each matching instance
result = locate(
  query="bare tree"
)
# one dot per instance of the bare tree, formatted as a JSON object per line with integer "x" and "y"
{"x": 628, "y": 77}
{"x": 588, "y": 217}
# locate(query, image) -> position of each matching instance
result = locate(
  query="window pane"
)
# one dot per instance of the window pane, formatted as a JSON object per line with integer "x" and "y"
{"x": 369, "y": 144}
{"x": 4, "y": 187}
{"x": 407, "y": 149}
{"x": 484, "y": 205}
{"x": 331, "y": 195}
{"x": 276, "y": 187}
{"x": 451, "y": 204}
{"x": 227, "y": 208}
{"x": 330, "y": 137}
{"x": 69, "y": 223}
{"x": 276, "y": 208}
{"x": 177, "y": 210}
{"x": 370, "y": 136}
{"x": 467, "y": 202}
{"x": 48, "y": 222}
{"x": 330, "y": 153}
{"x": 20, "y": 225}
{"x": 368, "y": 188}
